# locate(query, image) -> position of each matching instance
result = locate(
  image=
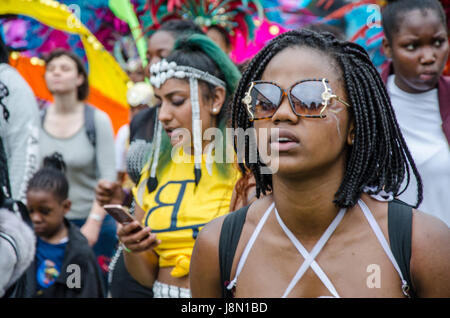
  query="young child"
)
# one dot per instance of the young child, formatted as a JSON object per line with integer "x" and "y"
{"x": 64, "y": 265}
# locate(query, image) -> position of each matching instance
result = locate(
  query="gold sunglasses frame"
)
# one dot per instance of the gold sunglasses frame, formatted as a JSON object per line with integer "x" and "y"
{"x": 327, "y": 95}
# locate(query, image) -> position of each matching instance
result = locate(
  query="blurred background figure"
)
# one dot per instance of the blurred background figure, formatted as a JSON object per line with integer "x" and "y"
{"x": 84, "y": 136}
{"x": 160, "y": 42}
{"x": 135, "y": 70}
{"x": 17, "y": 249}
{"x": 19, "y": 135}
{"x": 19, "y": 126}
{"x": 416, "y": 41}
{"x": 139, "y": 96}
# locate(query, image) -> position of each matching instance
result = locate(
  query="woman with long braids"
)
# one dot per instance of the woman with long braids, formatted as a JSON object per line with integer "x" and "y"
{"x": 329, "y": 227}
{"x": 179, "y": 192}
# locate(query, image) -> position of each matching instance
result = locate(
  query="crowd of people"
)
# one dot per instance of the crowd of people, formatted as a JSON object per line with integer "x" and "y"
{"x": 359, "y": 169}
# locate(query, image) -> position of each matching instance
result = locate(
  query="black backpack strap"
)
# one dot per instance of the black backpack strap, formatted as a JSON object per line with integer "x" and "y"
{"x": 229, "y": 239}
{"x": 400, "y": 230}
{"x": 89, "y": 126}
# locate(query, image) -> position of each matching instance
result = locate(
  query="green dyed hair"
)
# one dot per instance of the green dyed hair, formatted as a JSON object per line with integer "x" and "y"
{"x": 200, "y": 52}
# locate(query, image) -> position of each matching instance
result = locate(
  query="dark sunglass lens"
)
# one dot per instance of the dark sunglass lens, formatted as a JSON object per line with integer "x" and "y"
{"x": 307, "y": 97}
{"x": 266, "y": 98}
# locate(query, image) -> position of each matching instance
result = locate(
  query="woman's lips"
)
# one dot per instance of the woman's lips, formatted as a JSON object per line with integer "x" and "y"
{"x": 174, "y": 134}
{"x": 284, "y": 146}
{"x": 284, "y": 140}
{"x": 169, "y": 130}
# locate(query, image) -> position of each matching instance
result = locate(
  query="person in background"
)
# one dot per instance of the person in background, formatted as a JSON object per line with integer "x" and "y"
{"x": 84, "y": 136}
{"x": 61, "y": 250}
{"x": 17, "y": 250}
{"x": 416, "y": 41}
{"x": 220, "y": 36}
{"x": 19, "y": 136}
{"x": 159, "y": 45}
{"x": 19, "y": 126}
{"x": 139, "y": 97}
{"x": 135, "y": 70}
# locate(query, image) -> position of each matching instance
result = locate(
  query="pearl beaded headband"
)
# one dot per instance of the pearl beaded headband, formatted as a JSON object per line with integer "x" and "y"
{"x": 163, "y": 70}
{"x": 160, "y": 73}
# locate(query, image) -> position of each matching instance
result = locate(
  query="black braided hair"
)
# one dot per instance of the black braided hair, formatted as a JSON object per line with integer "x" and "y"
{"x": 51, "y": 177}
{"x": 379, "y": 157}
{"x": 396, "y": 10}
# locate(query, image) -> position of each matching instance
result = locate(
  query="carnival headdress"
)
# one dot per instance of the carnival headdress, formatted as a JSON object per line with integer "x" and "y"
{"x": 233, "y": 16}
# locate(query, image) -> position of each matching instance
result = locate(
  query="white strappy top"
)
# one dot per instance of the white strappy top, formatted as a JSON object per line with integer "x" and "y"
{"x": 309, "y": 257}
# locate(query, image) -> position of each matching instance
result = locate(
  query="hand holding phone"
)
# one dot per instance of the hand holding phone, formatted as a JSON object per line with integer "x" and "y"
{"x": 136, "y": 239}
{"x": 121, "y": 215}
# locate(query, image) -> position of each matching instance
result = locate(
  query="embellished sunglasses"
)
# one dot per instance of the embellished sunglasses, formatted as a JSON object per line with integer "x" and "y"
{"x": 308, "y": 98}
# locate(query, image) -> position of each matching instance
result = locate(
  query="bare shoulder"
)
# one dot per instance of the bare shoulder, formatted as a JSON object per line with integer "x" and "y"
{"x": 211, "y": 232}
{"x": 430, "y": 255}
{"x": 428, "y": 232}
{"x": 208, "y": 239}
{"x": 205, "y": 279}
{"x": 204, "y": 268}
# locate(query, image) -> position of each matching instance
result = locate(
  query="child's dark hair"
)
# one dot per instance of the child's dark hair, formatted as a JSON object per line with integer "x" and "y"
{"x": 379, "y": 157}
{"x": 51, "y": 177}
{"x": 83, "y": 89}
{"x": 397, "y": 10}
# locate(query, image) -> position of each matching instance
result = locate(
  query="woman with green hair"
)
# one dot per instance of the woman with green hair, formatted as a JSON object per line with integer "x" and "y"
{"x": 182, "y": 188}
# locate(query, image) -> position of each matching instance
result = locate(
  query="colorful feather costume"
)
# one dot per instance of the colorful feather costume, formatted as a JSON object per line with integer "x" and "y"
{"x": 235, "y": 17}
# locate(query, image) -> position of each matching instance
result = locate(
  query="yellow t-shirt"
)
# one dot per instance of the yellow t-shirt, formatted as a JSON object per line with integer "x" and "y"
{"x": 177, "y": 209}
